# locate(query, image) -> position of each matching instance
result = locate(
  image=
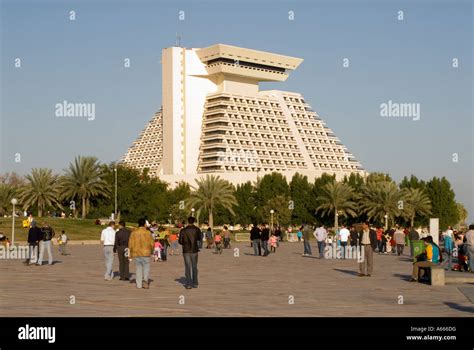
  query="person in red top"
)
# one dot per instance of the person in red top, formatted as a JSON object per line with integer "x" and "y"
{"x": 380, "y": 244}
{"x": 173, "y": 239}
{"x": 218, "y": 242}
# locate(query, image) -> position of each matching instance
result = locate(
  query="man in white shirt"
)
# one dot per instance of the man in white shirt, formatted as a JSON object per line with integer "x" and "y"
{"x": 344, "y": 237}
{"x": 107, "y": 238}
{"x": 321, "y": 234}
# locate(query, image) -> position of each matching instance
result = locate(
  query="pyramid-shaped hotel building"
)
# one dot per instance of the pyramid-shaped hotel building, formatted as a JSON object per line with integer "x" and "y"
{"x": 214, "y": 119}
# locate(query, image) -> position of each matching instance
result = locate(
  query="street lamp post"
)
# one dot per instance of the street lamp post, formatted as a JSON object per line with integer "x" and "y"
{"x": 386, "y": 222}
{"x": 115, "y": 204}
{"x": 271, "y": 215}
{"x": 192, "y": 212}
{"x": 14, "y": 202}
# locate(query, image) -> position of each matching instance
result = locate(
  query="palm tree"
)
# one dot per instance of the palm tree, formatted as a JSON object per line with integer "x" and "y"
{"x": 7, "y": 193}
{"x": 210, "y": 192}
{"x": 416, "y": 202}
{"x": 41, "y": 190}
{"x": 83, "y": 180}
{"x": 381, "y": 200}
{"x": 337, "y": 198}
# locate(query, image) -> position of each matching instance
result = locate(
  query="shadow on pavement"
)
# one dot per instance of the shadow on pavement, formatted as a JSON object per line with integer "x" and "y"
{"x": 458, "y": 307}
{"x": 181, "y": 280}
{"x": 402, "y": 276}
{"x": 349, "y": 272}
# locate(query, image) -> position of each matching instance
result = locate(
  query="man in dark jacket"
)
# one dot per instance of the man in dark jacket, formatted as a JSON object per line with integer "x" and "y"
{"x": 265, "y": 236}
{"x": 189, "y": 238}
{"x": 354, "y": 237}
{"x": 255, "y": 238}
{"x": 45, "y": 245}
{"x": 34, "y": 236}
{"x": 121, "y": 248}
{"x": 368, "y": 243}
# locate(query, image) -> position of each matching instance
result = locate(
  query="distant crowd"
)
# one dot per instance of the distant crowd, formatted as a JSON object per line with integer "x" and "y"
{"x": 151, "y": 242}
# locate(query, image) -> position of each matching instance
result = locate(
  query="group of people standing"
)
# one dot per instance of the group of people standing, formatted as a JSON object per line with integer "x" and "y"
{"x": 219, "y": 240}
{"x": 40, "y": 242}
{"x": 461, "y": 245}
{"x": 261, "y": 238}
{"x": 144, "y": 243}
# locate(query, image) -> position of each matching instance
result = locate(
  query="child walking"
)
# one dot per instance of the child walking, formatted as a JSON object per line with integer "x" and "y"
{"x": 218, "y": 243}
{"x": 273, "y": 243}
{"x": 62, "y": 241}
{"x": 157, "y": 250}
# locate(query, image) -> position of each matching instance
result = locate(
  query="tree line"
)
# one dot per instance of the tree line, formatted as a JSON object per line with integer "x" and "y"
{"x": 91, "y": 186}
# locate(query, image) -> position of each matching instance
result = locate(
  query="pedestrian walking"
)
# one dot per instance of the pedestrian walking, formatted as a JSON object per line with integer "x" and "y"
{"x": 368, "y": 243}
{"x": 321, "y": 235}
{"x": 255, "y": 238}
{"x": 62, "y": 242}
{"x": 141, "y": 245}
{"x": 107, "y": 238}
{"x": 122, "y": 238}
{"x": 45, "y": 245}
{"x": 265, "y": 236}
{"x": 399, "y": 238}
{"x": 306, "y": 232}
{"x": 189, "y": 238}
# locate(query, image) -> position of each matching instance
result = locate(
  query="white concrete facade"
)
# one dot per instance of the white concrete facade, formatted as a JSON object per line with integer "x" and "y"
{"x": 215, "y": 120}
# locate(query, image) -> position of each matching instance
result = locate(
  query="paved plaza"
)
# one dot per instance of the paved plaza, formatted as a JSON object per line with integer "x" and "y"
{"x": 282, "y": 284}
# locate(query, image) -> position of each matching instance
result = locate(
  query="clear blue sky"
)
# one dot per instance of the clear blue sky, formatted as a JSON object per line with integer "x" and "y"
{"x": 402, "y": 61}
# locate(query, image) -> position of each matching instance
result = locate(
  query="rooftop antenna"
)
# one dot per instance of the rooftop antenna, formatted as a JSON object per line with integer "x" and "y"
{"x": 178, "y": 40}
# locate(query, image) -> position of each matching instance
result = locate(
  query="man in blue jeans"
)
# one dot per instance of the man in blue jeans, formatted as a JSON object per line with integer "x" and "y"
{"x": 321, "y": 234}
{"x": 47, "y": 234}
{"x": 306, "y": 230}
{"x": 190, "y": 238}
{"x": 107, "y": 237}
{"x": 141, "y": 245}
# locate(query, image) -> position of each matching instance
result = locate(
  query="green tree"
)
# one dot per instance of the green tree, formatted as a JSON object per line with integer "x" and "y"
{"x": 443, "y": 203}
{"x": 380, "y": 198}
{"x": 317, "y": 192}
{"x": 463, "y": 214}
{"x": 412, "y": 182}
{"x": 177, "y": 199}
{"x": 210, "y": 192}
{"x": 378, "y": 177}
{"x": 300, "y": 190}
{"x": 337, "y": 198}
{"x": 269, "y": 186}
{"x": 281, "y": 211}
{"x": 178, "y": 214}
{"x": 245, "y": 210}
{"x": 356, "y": 182}
{"x": 41, "y": 190}
{"x": 128, "y": 182}
{"x": 83, "y": 180}
{"x": 415, "y": 203}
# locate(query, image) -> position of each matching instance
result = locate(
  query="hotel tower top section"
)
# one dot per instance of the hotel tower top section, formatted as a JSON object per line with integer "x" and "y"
{"x": 214, "y": 119}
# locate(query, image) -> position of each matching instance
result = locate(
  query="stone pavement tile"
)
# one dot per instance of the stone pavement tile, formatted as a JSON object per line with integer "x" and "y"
{"x": 229, "y": 286}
